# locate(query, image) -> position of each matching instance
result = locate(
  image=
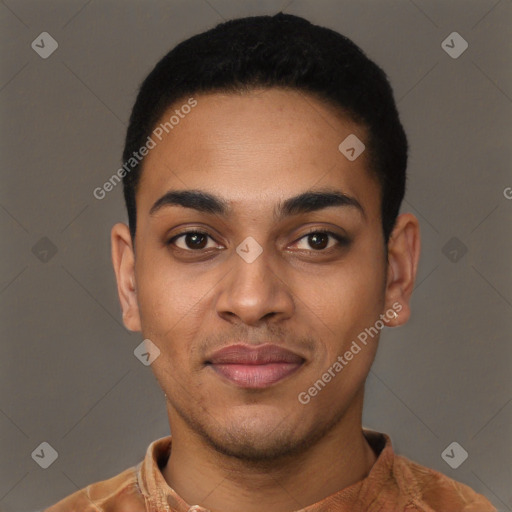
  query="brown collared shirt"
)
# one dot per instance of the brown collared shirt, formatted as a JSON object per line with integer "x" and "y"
{"x": 394, "y": 484}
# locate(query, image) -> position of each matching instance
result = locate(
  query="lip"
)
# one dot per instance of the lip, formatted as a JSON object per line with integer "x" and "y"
{"x": 254, "y": 366}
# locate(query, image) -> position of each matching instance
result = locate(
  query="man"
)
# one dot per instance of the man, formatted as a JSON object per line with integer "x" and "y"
{"x": 264, "y": 168}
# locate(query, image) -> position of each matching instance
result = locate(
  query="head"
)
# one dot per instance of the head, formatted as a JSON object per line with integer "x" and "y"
{"x": 298, "y": 245}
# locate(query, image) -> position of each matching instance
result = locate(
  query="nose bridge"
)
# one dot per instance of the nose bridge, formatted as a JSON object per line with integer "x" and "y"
{"x": 253, "y": 272}
{"x": 253, "y": 262}
{"x": 253, "y": 289}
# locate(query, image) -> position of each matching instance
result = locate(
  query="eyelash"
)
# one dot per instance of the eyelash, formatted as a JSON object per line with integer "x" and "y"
{"x": 341, "y": 240}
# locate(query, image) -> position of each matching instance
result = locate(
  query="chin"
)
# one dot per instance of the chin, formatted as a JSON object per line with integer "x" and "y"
{"x": 262, "y": 438}
{"x": 257, "y": 434}
{"x": 254, "y": 446}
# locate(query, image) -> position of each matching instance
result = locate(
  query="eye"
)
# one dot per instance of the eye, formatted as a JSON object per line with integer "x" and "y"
{"x": 192, "y": 240}
{"x": 319, "y": 240}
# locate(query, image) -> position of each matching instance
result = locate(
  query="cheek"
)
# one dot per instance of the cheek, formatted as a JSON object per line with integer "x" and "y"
{"x": 164, "y": 298}
{"x": 346, "y": 301}
{"x": 349, "y": 302}
{"x": 174, "y": 304}
{"x": 352, "y": 289}
{"x": 165, "y": 291}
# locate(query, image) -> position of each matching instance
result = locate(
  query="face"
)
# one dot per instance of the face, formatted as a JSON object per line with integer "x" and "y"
{"x": 287, "y": 287}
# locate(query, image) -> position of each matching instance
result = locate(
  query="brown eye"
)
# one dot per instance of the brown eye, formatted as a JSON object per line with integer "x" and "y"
{"x": 319, "y": 240}
{"x": 190, "y": 240}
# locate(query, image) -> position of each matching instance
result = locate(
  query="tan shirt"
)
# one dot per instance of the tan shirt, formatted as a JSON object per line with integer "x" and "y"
{"x": 394, "y": 484}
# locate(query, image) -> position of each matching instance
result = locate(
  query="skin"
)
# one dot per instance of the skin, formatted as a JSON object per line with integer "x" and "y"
{"x": 261, "y": 449}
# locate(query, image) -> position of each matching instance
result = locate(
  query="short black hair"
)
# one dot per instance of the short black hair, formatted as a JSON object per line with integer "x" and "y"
{"x": 282, "y": 51}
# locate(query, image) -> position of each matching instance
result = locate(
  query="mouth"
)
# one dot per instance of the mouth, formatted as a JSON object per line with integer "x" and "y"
{"x": 254, "y": 367}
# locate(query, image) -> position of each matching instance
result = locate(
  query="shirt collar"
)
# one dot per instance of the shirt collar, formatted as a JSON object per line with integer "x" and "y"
{"x": 160, "y": 496}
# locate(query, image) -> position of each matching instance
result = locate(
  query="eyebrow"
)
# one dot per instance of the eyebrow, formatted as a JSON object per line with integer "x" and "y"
{"x": 309, "y": 201}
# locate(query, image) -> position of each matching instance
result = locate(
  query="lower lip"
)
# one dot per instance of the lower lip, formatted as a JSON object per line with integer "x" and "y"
{"x": 255, "y": 375}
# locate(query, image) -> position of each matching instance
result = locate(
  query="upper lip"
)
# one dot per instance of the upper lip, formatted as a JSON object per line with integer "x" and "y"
{"x": 260, "y": 354}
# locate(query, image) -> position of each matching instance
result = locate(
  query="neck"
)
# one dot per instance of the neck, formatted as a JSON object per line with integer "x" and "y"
{"x": 200, "y": 475}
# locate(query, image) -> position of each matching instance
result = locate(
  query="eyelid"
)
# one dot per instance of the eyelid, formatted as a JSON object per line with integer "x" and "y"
{"x": 327, "y": 231}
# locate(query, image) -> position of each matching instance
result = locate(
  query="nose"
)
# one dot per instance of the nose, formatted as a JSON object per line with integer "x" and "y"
{"x": 256, "y": 289}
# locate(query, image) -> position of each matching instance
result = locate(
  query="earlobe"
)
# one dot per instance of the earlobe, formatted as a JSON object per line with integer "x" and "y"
{"x": 403, "y": 256}
{"x": 123, "y": 260}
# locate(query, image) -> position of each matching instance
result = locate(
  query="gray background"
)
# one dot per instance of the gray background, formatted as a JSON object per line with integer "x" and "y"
{"x": 68, "y": 375}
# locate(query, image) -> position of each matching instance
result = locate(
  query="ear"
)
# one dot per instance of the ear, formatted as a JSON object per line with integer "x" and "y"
{"x": 123, "y": 259}
{"x": 403, "y": 256}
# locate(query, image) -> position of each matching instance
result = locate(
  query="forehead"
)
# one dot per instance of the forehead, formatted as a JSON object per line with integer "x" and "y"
{"x": 254, "y": 149}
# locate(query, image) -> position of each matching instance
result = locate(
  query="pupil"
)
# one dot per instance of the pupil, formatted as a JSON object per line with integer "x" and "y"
{"x": 195, "y": 237}
{"x": 313, "y": 239}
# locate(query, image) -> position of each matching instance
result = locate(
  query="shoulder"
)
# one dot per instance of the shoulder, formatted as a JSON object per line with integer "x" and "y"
{"x": 437, "y": 491}
{"x": 120, "y": 493}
